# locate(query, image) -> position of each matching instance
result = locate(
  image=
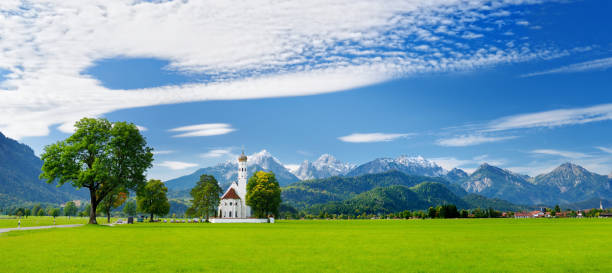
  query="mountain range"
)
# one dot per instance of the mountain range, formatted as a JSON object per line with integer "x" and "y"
{"x": 569, "y": 183}
{"x": 19, "y": 182}
{"x": 391, "y": 191}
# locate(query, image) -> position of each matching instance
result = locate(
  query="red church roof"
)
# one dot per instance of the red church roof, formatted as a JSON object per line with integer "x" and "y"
{"x": 231, "y": 194}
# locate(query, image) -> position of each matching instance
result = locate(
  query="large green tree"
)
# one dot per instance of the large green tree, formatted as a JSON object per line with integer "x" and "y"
{"x": 205, "y": 196}
{"x": 101, "y": 156}
{"x": 70, "y": 209}
{"x": 152, "y": 199}
{"x": 263, "y": 194}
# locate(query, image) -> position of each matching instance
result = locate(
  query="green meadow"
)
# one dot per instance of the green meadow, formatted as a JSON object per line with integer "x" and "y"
{"x": 32, "y": 221}
{"x": 452, "y": 245}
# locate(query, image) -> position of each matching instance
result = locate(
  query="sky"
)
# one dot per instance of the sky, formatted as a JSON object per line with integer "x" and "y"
{"x": 521, "y": 84}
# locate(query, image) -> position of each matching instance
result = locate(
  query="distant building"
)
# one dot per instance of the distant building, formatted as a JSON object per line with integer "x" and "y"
{"x": 530, "y": 214}
{"x": 233, "y": 202}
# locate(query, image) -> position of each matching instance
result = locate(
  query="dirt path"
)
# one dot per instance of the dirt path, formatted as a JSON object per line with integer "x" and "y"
{"x": 2, "y": 230}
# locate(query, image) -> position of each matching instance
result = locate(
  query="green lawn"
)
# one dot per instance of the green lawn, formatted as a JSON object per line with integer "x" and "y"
{"x": 466, "y": 245}
{"x": 31, "y": 221}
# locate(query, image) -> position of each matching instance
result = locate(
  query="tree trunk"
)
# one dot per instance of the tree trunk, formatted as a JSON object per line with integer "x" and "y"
{"x": 151, "y": 217}
{"x": 108, "y": 216}
{"x": 94, "y": 205}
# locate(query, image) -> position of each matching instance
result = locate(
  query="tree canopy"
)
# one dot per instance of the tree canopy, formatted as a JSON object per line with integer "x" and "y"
{"x": 101, "y": 156}
{"x": 263, "y": 194}
{"x": 152, "y": 199}
{"x": 205, "y": 196}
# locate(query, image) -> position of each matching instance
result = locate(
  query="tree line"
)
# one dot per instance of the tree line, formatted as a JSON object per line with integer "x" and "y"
{"x": 110, "y": 160}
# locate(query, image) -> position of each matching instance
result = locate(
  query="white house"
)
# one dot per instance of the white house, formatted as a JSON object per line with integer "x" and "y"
{"x": 233, "y": 202}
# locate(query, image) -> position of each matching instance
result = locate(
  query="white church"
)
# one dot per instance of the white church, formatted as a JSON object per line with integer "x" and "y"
{"x": 233, "y": 207}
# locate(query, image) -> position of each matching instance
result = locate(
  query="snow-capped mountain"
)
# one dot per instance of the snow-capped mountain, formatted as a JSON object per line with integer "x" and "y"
{"x": 227, "y": 172}
{"x": 409, "y": 165}
{"x": 264, "y": 160}
{"x": 325, "y": 166}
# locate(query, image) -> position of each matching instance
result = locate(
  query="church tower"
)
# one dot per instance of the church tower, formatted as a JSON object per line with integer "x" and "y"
{"x": 242, "y": 175}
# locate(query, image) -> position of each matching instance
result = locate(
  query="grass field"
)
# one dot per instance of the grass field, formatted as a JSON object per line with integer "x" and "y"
{"x": 32, "y": 221}
{"x": 466, "y": 245}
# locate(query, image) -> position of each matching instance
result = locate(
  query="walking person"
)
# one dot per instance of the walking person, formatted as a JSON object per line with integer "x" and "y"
{"x": 19, "y": 223}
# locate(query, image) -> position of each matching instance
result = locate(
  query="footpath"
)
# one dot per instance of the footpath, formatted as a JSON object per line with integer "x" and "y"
{"x": 2, "y": 230}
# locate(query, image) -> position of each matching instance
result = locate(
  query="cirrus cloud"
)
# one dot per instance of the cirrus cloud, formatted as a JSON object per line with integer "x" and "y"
{"x": 207, "y": 129}
{"x": 372, "y": 137}
{"x": 176, "y": 165}
{"x": 470, "y": 140}
{"x": 244, "y": 50}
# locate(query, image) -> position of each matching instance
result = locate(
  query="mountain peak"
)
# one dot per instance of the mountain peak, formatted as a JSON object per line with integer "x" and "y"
{"x": 326, "y": 158}
{"x": 262, "y": 158}
{"x": 458, "y": 172}
{"x": 418, "y": 160}
{"x": 485, "y": 165}
{"x": 262, "y": 153}
{"x": 570, "y": 167}
{"x": 325, "y": 166}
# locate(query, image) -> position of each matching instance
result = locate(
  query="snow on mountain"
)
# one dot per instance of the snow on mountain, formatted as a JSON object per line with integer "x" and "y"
{"x": 409, "y": 165}
{"x": 227, "y": 171}
{"x": 325, "y": 166}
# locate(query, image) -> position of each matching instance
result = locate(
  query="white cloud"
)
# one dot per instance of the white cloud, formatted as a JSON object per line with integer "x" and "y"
{"x": 522, "y": 23}
{"x": 163, "y": 152}
{"x": 471, "y": 35}
{"x": 216, "y": 153}
{"x": 207, "y": 129}
{"x": 566, "y": 154}
{"x": 553, "y": 118}
{"x": 249, "y": 50}
{"x": 372, "y": 137}
{"x": 599, "y": 64}
{"x": 604, "y": 149}
{"x": 470, "y": 140}
{"x": 142, "y": 128}
{"x": 176, "y": 165}
{"x": 449, "y": 163}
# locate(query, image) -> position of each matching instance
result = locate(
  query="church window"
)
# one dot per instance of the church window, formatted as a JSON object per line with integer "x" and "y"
{"x": 230, "y": 214}
{"x": 230, "y": 203}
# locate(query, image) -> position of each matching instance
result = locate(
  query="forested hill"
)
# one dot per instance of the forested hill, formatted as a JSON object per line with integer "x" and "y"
{"x": 381, "y": 193}
{"x": 19, "y": 182}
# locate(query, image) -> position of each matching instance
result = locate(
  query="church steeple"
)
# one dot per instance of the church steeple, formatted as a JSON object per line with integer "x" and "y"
{"x": 242, "y": 173}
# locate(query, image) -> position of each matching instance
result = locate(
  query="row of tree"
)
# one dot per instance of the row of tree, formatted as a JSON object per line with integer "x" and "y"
{"x": 442, "y": 211}
{"x": 110, "y": 159}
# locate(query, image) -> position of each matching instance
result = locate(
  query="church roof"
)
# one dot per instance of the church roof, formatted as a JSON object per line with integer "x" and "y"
{"x": 230, "y": 194}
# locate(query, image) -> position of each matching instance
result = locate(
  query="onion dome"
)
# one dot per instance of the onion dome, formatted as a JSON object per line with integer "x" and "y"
{"x": 242, "y": 157}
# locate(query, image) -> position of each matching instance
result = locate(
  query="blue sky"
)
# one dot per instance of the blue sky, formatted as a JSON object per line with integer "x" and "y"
{"x": 525, "y": 85}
